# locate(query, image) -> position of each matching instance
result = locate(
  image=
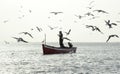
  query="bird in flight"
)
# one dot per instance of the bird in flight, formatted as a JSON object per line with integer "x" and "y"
{"x": 110, "y": 24}
{"x": 100, "y": 11}
{"x": 55, "y": 13}
{"x": 20, "y": 39}
{"x": 51, "y": 28}
{"x": 26, "y": 33}
{"x": 90, "y": 26}
{"x": 91, "y": 2}
{"x": 97, "y": 29}
{"x": 39, "y": 29}
{"x": 90, "y": 7}
{"x": 79, "y": 16}
{"x": 67, "y": 33}
{"x": 114, "y": 35}
{"x": 94, "y": 28}
{"x": 89, "y": 14}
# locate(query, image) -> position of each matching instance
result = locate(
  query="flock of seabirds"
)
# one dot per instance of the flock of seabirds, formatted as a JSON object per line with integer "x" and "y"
{"x": 91, "y": 27}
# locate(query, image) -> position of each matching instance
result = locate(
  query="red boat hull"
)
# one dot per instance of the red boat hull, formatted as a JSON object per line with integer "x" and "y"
{"x": 57, "y": 50}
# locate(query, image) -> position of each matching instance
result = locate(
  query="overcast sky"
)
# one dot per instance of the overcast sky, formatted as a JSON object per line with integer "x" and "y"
{"x": 23, "y": 15}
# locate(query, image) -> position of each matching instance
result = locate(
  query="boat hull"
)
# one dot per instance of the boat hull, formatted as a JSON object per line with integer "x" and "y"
{"x": 57, "y": 50}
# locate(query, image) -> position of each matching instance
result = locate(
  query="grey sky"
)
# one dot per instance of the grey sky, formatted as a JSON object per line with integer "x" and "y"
{"x": 15, "y": 18}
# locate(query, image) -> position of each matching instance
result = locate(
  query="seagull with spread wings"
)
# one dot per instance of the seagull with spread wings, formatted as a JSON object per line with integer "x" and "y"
{"x": 100, "y": 11}
{"x": 39, "y": 29}
{"x": 26, "y": 33}
{"x": 89, "y": 14}
{"x": 51, "y": 28}
{"x": 110, "y": 24}
{"x": 67, "y": 33}
{"x": 20, "y": 39}
{"x": 91, "y": 2}
{"x": 90, "y": 26}
{"x": 55, "y": 13}
{"x": 79, "y": 16}
{"x": 110, "y": 36}
{"x": 94, "y": 28}
{"x": 90, "y": 7}
{"x": 97, "y": 29}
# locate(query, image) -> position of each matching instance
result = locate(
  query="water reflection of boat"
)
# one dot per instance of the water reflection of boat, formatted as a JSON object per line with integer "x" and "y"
{"x": 47, "y": 49}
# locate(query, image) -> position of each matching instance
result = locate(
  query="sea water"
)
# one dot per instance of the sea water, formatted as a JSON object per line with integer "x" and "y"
{"x": 90, "y": 58}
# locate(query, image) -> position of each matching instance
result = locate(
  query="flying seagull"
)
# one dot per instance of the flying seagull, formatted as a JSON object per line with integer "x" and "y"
{"x": 89, "y": 14}
{"x": 20, "y": 39}
{"x": 97, "y": 29}
{"x": 90, "y": 7}
{"x": 79, "y": 16}
{"x": 51, "y": 28}
{"x": 91, "y": 2}
{"x": 114, "y": 35}
{"x": 100, "y": 11}
{"x": 26, "y": 33}
{"x": 110, "y": 24}
{"x": 67, "y": 33}
{"x": 55, "y": 13}
{"x": 39, "y": 29}
{"x": 90, "y": 26}
{"x": 94, "y": 28}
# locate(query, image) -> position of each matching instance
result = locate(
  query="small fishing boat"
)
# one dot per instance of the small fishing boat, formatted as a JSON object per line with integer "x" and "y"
{"x": 47, "y": 49}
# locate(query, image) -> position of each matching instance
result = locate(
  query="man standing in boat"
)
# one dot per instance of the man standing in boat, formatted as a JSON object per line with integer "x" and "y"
{"x": 61, "y": 39}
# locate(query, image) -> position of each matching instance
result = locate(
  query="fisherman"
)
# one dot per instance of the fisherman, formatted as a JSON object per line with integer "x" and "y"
{"x": 61, "y": 39}
{"x": 70, "y": 45}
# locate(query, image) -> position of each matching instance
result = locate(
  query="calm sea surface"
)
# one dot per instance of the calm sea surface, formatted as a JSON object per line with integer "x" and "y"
{"x": 90, "y": 58}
